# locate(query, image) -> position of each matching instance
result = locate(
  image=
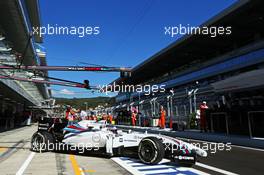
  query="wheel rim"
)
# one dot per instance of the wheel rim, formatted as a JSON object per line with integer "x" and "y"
{"x": 148, "y": 151}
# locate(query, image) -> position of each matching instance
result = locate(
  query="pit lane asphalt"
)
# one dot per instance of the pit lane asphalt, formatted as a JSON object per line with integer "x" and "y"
{"x": 239, "y": 160}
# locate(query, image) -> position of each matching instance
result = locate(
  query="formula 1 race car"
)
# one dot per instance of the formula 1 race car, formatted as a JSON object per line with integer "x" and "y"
{"x": 100, "y": 138}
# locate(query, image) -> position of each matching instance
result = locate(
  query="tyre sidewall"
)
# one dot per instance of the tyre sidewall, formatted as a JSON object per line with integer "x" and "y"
{"x": 158, "y": 150}
{"x": 47, "y": 140}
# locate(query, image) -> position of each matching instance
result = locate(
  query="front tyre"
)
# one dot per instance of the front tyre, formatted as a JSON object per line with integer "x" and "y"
{"x": 151, "y": 150}
{"x": 42, "y": 141}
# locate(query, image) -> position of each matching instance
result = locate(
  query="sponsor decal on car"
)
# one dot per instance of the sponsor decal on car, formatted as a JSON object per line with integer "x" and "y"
{"x": 184, "y": 158}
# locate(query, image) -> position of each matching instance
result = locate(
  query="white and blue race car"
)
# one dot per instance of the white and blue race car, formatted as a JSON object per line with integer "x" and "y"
{"x": 97, "y": 137}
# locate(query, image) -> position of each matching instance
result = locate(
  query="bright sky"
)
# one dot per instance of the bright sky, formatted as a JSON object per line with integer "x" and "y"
{"x": 130, "y": 32}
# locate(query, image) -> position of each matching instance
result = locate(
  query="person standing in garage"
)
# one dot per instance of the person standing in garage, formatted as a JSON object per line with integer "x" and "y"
{"x": 69, "y": 115}
{"x": 133, "y": 117}
{"x": 110, "y": 118}
{"x": 162, "y": 119}
{"x": 83, "y": 114}
{"x": 203, "y": 108}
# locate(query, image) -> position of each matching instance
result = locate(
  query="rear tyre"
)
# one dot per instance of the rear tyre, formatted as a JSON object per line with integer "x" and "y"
{"x": 42, "y": 141}
{"x": 151, "y": 150}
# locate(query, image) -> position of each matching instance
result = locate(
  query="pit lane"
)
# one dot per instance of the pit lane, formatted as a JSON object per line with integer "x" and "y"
{"x": 20, "y": 160}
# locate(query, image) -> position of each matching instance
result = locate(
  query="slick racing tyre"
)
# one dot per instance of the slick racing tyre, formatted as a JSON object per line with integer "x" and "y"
{"x": 42, "y": 141}
{"x": 151, "y": 150}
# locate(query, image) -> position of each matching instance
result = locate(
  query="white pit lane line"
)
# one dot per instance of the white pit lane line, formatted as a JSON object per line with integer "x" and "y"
{"x": 137, "y": 168}
{"x": 25, "y": 164}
